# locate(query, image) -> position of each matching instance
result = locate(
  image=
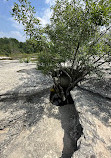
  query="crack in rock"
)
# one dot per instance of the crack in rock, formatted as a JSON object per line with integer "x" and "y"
{"x": 30, "y": 115}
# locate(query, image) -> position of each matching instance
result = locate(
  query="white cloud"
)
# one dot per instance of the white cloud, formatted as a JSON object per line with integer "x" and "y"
{"x": 13, "y": 34}
{"x": 17, "y": 31}
{"x": 51, "y": 2}
{"x": 16, "y": 24}
{"x": 45, "y": 19}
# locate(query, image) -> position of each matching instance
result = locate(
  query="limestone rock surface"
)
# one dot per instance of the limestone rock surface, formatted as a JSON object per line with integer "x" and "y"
{"x": 31, "y": 127}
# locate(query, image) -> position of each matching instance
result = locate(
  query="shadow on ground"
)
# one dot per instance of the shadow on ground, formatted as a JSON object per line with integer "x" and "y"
{"x": 32, "y": 105}
{"x": 72, "y": 129}
{"x": 25, "y": 105}
{"x": 69, "y": 117}
{"x": 29, "y": 103}
{"x": 26, "y": 97}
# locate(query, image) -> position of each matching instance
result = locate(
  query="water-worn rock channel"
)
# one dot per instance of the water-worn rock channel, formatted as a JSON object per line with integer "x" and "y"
{"x": 31, "y": 127}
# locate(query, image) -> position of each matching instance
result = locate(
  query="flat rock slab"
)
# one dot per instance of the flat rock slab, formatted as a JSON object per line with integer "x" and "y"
{"x": 5, "y": 58}
{"x": 95, "y": 118}
{"x": 31, "y": 127}
{"x": 16, "y": 77}
{"x": 37, "y": 141}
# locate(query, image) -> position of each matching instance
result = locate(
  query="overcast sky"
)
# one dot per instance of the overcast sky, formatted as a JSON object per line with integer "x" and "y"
{"x": 10, "y": 28}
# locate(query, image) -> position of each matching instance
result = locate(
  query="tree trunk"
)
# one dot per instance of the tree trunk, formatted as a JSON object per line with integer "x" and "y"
{"x": 64, "y": 82}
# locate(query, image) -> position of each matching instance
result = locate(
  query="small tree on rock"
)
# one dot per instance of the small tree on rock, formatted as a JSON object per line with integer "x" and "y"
{"x": 78, "y": 36}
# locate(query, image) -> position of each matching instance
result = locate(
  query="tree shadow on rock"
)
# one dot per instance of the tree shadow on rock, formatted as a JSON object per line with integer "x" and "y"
{"x": 23, "y": 106}
{"x": 72, "y": 129}
{"x": 26, "y": 99}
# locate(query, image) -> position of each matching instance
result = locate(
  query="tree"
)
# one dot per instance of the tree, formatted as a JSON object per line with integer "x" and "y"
{"x": 25, "y": 13}
{"x": 9, "y": 46}
{"x": 34, "y": 46}
{"x": 75, "y": 36}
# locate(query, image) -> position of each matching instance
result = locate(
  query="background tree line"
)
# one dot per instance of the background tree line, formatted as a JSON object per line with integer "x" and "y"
{"x": 11, "y": 46}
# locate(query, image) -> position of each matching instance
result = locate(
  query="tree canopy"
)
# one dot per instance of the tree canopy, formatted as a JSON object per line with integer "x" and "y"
{"x": 78, "y": 34}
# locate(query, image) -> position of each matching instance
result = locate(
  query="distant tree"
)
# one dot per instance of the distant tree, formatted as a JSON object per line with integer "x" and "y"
{"x": 33, "y": 46}
{"x": 79, "y": 34}
{"x": 9, "y": 46}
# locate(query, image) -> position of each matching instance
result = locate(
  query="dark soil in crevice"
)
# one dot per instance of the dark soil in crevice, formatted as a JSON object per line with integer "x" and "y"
{"x": 72, "y": 129}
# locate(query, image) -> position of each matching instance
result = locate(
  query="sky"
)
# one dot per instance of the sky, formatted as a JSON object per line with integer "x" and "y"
{"x": 10, "y": 28}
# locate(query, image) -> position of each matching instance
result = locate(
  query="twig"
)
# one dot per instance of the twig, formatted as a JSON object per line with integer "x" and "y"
{"x": 97, "y": 59}
{"x": 101, "y": 63}
{"x": 101, "y": 35}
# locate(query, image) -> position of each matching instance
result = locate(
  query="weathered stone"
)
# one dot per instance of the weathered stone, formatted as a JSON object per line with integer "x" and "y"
{"x": 95, "y": 116}
{"x": 31, "y": 127}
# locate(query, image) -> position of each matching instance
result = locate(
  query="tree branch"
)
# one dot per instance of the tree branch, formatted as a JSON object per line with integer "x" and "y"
{"x": 101, "y": 63}
{"x": 75, "y": 54}
{"x": 101, "y": 35}
{"x": 98, "y": 59}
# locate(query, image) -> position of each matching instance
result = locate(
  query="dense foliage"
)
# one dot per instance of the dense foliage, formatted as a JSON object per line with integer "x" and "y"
{"x": 78, "y": 33}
